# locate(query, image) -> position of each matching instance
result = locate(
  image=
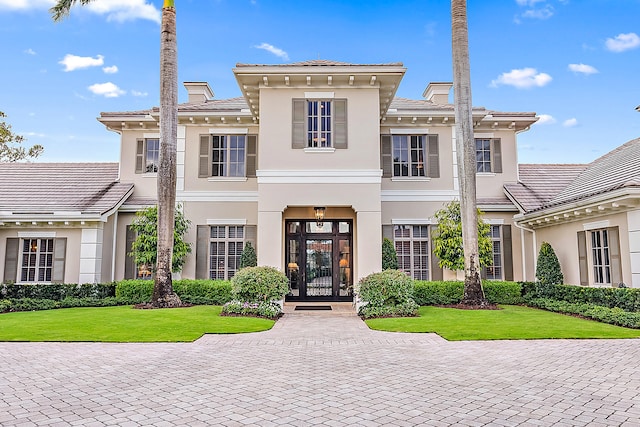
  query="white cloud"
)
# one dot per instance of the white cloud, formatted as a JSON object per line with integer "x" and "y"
{"x": 111, "y": 69}
{"x": 138, "y": 93}
{"x": 544, "y": 12}
{"x": 623, "y": 42}
{"x": 30, "y": 52}
{"x": 583, "y": 68}
{"x": 523, "y": 78}
{"x": 25, "y": 4}
{"x": 569, "y": 123}
{"x": 73, "y": 62}
{"x": 125, "y": 10}
{"x": 275, "y": 50}
{"x": 108, "y": 90}
{"x": 545, "y": 119}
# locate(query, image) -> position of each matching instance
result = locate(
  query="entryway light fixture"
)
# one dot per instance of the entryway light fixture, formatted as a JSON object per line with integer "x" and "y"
{"x": 319, "y": 210}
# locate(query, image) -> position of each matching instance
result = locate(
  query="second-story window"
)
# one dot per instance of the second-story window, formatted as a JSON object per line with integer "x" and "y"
{"x": 319, "y": 124}
{"x": 488, "y": 155}
{"x": 147, "y": 155}
{"x": 409, "y": 156}
{"x": 227, "y": 156}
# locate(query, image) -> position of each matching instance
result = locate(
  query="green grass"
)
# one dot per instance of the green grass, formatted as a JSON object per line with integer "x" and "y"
{"x": 124, "y": 324}
{"x": 510, "y": 323}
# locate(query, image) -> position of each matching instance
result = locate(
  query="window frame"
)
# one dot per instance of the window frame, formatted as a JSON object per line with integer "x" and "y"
{"x": 228, "y": 162}
{"x": 142, "y": 155}
{"x": 27, "y": 253}
{"x": 423, "y": 258}
{"x": 600, "y": 245}
{"x": 490, "y": 270}
{"x": 492, "y": 155}
{"x": 227, "y": 257}
{"x": 419, "y": 165}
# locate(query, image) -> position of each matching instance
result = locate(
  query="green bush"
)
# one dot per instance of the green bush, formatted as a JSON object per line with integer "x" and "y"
{"x": 388, "y": 293}
{"x": 32, "y": 304}
{"x": 448, "y": 293}
{"x": 389, "y": 255}
{"x": 266, "y": 309}
{"x": 627, "y": 299}
{"x": 614, "y": 316}
{"x": 248, "y": 257}
{"x": 210, "y": 292}
{"x": 255, "y": 284}
{"x": 57, "y": 292}
{"x": 548, "y": 271}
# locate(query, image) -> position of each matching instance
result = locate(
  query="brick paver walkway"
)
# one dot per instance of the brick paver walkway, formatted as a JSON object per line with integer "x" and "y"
{"x": 324, "y": 369}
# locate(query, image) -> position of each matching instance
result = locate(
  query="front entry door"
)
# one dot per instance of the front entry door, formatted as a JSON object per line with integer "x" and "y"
{"x": 319, "y": 261}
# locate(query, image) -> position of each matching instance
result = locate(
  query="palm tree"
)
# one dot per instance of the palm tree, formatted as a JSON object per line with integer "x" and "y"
{"x": 163, "y": 295}
{"x": 465, "y": 149}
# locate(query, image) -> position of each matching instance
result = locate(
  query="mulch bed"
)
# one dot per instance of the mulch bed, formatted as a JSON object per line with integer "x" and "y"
{"x": 149, "y": 306}
{"x": 471, "y": 307}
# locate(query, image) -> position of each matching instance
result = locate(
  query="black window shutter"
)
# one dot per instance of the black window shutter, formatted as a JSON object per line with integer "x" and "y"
{"x": 204, "y": 163}
{"x": 340, "y": 123}
{"x": 433, "y": 159}
{"x": 11, "y": 260}
{"x": 59, "y": 254}
{"x": 496, "y": 152}
{"x": 252, "y": 155}
{"x": 507, "y": 252}
{"x": 582, "y": 258}
{"x": 298, "y": 139}
{"x": 385, "y": 156}
{"x": 129, "y": 260}
{"x": 202, "y": 251}
{"x": 140, "y": 166}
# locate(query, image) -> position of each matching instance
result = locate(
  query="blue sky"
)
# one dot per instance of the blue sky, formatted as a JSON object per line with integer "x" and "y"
{"x": 575, "y": 63}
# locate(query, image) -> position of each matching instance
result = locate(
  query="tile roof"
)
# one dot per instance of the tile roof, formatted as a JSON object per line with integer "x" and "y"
{"x": 539, "y": 183}
{"x": 230, "y": 104}
{"x": 545, "y": 185}
{"x": 45, "y": 188}
{"x": 321, "y": 62}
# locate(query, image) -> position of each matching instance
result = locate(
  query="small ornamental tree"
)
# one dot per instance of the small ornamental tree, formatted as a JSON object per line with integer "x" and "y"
{"x": 10, "y": 148}
{"x": 448, "y": 238}
{"x": 248, "y": 257}
{"x": 389, "y": 255}
{"x": 548, "y": 270}
{"x": 145, "y": 247}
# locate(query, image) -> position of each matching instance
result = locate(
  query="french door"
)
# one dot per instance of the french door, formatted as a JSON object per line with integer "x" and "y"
{"x": 319, "y": 260}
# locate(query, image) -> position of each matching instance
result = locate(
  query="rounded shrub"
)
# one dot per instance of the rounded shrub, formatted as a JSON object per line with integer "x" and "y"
{"x": 548, "y": 271}
{"x": 255, "y": 284}
{"x": 388, "y": 293}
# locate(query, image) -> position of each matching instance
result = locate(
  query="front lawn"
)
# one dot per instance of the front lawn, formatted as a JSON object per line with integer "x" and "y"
{"x": 512, "y": 322}
{"x": 124, "y": 324}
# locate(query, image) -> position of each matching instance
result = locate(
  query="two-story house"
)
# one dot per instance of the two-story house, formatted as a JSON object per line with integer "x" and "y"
{"x": 314, "y": 165}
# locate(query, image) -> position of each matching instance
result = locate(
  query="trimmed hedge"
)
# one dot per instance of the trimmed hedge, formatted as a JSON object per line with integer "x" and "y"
{"x": 58, "y": 292}
{"x": 388, "y": 293}
{"x": 448, "y": 293}
{"x": 614, "y": 316}
{"x": 627, "y": 299}
{"x": 33, "y": 304}
{"x": 200, "y": 292}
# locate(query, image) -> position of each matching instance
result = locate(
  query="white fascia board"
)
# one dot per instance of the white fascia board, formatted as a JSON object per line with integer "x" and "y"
{"x": 217, "y": 196}
{"x": 419, "y": 195}
{"x": 365, "y": 176}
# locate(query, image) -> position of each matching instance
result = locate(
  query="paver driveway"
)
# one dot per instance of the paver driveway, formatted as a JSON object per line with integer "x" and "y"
{"x": 322, "y": 369}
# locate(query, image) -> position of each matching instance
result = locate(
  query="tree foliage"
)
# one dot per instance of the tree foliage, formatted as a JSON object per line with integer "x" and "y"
{"x": 248, "y": 257}
{"x": 145, "y": 247}
{"x": 389, "y": 255}
{"x": 448, "y": 238}
{"x": 10, "y": 148}
{"x": 548, "y": 270}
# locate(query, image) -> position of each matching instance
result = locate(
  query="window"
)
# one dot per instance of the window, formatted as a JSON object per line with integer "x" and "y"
{"x": 225, "y": 250}
{"x": 37, "y": 260}
{"x": 412, "y": 247}
{"x": 319, "y": 123}
{"x": 231, "y": 156}
{"x": 147, "y": 155}
{"x": 228, "y": 155}
{"x": 409, "y": 156}
{"x": 488, "y": 155}
{"x": 494, "y": 272}
{"x": 601, "y": 256}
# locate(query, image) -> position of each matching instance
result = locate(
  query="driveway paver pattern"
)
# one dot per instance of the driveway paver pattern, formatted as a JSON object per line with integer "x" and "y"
{"x": 325, "y": 369}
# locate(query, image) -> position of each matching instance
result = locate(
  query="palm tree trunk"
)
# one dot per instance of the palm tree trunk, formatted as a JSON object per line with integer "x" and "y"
{"x": 466, "y": 155}
{"x": 163, "y": 295}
